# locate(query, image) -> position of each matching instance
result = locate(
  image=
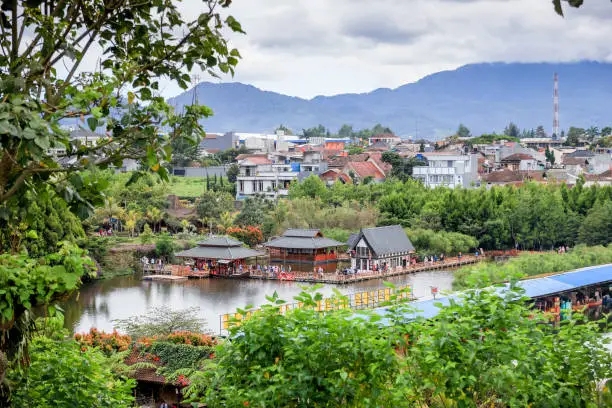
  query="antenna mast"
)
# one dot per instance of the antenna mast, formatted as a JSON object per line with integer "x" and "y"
{"x": 195, "y": 81}
{"x": 555, "y": 130}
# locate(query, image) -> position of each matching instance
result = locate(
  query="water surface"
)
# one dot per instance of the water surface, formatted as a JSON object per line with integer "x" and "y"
{"x": 98, "y": 303}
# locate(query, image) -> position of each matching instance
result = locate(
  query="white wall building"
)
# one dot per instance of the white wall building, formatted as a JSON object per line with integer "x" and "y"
{"x": 259, "y": 175}
{"x": 449, "y": 170}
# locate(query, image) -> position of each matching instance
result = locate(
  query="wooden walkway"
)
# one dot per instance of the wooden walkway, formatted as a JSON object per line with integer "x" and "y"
{"x": 339, "y": 278}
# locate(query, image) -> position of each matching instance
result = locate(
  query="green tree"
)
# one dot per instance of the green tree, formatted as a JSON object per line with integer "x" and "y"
{"x": 422, "y": 147}
{"x": 592, "y": 133}
{"x": 161, "y": 321}
{"x": 319, "y": 131}
{"x": 346, "y": 131}
{"x": 573, "y": 136}
{"x": 253, "y": 212}
{"x": 550, "y": 156}
{"x": 43, "y": 82}
{"x": 232, "y": 173}
{"x": 353, "y": 149}
{"x": 596, "y": 229}
{"x": 380, "y": 129}
{"x": 60, "y": 374}
{"x": 212, "y": 204}
{"x": 311, "y": 187}
{"x": 463, "y": 131}
{"x": 512, "y": 130}
{"x": 540, "y": 132}
{"x": 284, "y": 129}
{"x": 607, "y": 131}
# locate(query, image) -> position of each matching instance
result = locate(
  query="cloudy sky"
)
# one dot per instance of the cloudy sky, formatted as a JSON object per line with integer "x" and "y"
{"x": 323, "y": 47}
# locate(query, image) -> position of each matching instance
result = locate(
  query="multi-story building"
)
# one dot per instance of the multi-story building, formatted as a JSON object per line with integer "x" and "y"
{"x": 448, "y": 169}
{"x": 272, "y": 175}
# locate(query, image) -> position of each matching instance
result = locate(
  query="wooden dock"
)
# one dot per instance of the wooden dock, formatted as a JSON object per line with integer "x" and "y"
{"x": 340, "y": 279}
{"x": 164, "y": 278}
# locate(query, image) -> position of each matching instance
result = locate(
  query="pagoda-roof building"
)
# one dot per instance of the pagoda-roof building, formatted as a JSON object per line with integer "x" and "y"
{"x": 304, "y": 246}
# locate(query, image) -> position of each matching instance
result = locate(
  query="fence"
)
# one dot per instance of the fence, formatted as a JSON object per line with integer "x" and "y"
{"x": 360, "y": 300}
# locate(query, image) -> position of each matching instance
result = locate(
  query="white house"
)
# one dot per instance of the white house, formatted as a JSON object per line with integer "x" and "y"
{"x": 448, "y": 169}
{"x": 271, "y": 175}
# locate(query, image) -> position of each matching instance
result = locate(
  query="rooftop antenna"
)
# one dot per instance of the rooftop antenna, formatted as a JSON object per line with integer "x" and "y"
{"x": 555, "y": 130}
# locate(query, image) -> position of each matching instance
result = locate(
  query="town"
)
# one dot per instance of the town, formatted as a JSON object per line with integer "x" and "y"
{"x": 305, "y": 204}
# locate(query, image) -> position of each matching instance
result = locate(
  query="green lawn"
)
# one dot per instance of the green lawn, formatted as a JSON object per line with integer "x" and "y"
{"x": 187, "y": 186}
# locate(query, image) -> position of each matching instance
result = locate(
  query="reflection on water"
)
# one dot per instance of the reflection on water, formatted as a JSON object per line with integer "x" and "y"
{"x": 100, "y": 302}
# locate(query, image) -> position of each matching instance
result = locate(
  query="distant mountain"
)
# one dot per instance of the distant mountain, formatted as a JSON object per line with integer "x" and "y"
{"x": 484, "y": 97}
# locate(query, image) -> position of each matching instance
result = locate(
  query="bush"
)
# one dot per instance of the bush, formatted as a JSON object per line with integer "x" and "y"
{"x": 485, "y": 274}
{"x": 108, "y": 343}
{"x": 61, "y": 374}
{"x": 429, "y": 242}
{"x": 249, "y": 235}
{"x": 164, "y": 248}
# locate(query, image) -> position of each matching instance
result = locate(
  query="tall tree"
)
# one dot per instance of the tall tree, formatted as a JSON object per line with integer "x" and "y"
{"x": 540, "y": 132}
{"x": 43, "y": 81}
{"x": 463, "y": 131}
{"x": 284, "y": 129}
{"x": 607, "y": 131}
{"x": 573, "y": 136}
{"x": 318, "y": 131}
{"x": 593, "y": 133}
{"x": 512, "y": 130}
{"x": 346, "y": 131}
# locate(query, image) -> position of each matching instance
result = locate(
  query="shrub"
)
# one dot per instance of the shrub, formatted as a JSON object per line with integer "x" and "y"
{"x": 106, "y": 342}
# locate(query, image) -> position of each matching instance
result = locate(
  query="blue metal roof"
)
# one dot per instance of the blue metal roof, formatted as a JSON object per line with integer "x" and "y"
{"x": 537, "y": 287}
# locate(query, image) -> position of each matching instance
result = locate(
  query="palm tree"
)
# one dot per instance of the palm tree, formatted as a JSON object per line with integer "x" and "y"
{"x": 227, "y": 220}
{"x": 110, "y": 210}
{"x": 186, "y": 226}
{"x": 592, "y": 132}
{"x": 155, "y": 216}
{"x": 131, "y": 218}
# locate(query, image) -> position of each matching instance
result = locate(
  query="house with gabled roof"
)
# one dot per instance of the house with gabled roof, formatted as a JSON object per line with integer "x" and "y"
{"x": 304, "y": 246}
{"x": 380, "y": 248}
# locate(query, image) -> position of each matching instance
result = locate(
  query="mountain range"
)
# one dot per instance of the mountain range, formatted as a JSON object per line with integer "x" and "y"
{"x": 485, "y": 97}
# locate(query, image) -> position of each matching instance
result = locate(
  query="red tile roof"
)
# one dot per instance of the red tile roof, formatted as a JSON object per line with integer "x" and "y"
{"x": 254, "y": 158}
{"x": 518, "y": 157}
{"x": 365, "y": 169}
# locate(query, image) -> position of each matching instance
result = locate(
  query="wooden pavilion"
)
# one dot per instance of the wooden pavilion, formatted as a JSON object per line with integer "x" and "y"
{"x": 304, "y": 246}
{"x": 220, "y": 255}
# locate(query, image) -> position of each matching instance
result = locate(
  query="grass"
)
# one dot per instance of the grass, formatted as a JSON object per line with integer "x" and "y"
{"x": 525, "y": 265}
{"x": 187, "y": 186}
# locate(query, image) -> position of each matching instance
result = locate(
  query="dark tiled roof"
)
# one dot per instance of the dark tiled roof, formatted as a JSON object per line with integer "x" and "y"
{"x": 220, "y": 242}
{"x": 518, "y": 157}
{"x": 295, "y": 232}
{"x": 581, "y": 153}
{"x": 303, "y": 243}
{"x": 214, "y": 252}
{"x": 575, "y": 161}
{"x": 385, "y": 240}
{"x": 352, "y": 240}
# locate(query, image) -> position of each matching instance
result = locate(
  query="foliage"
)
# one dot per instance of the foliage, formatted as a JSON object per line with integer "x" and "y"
{"x": 26, "y": 283}
{"x": 37, "y": 224}
{"x": 249, "y": 235}
{"x": 526, "y": 264}
{"x": 339, "y": 234}
{"x": 229, "y": 155}
{"x": 492, "y": 350}
{"x": 463, "y": 131}
{"x": 62, "y": 375}
{"x": 108, "y": 343}
{"x": 253, "y": 211}
{"x": 428, "y": 242}
{"x": 191, "y": 338}
{"x": 155, "y": 217}
{"x": 43, "y": 83}
{"x": 232, "y": 173}
{"x": 165, "y": 247}
{"x": 318, "y": 131}
{"x": 311, "y": 187}
{"x": 512, "y": 130}
{"x": 490, "y": 139}
{"x": 301, "y": 358}
{"x": 211, "y": 205}
{"x": 176, "y": 356}
{"x": 146, "y": 237}
{"x": 550, "y": 156}
{"x": 161, "y": 321}
{"x": 596, "y": 229}
{"x": 284, "y": 129}
{"x": 402, "y": 167}
{"x": 574, "y": 135}
{"x": 352, "y": 150}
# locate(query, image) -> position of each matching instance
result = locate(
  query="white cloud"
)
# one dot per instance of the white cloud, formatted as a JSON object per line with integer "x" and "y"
{"x": 311, "y": 47}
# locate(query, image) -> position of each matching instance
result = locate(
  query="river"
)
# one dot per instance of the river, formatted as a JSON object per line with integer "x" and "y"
{"x": 98, "y": 303}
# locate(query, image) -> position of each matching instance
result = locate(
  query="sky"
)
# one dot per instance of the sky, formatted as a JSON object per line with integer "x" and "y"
{"x": 324, "y": 47}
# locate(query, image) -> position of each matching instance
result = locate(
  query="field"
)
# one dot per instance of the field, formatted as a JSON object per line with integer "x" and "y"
{"x": 187, "y": 186}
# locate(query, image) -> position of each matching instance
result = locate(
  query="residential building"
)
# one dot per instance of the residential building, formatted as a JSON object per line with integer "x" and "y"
{"x": 380, "y": 247}
{"x": 540, "y": 142}
{"x": 521, "y": 162}
{"x": 575, "y": 165}
{"x": 304, "y": 247}
{"x": 360, "y": 171}
{"x": 271, "y": 175}
{"x": 216, "y": 142}
{"x": 330, "y": 176}
{"x": 447, "y": 169}
{"x": 387, "y": 138}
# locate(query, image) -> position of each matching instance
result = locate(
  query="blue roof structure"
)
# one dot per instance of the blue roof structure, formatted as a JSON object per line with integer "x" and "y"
{"x": 534, "y": 288}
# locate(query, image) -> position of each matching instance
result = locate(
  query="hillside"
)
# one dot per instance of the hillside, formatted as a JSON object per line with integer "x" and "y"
{"x": 485, "y": 97}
